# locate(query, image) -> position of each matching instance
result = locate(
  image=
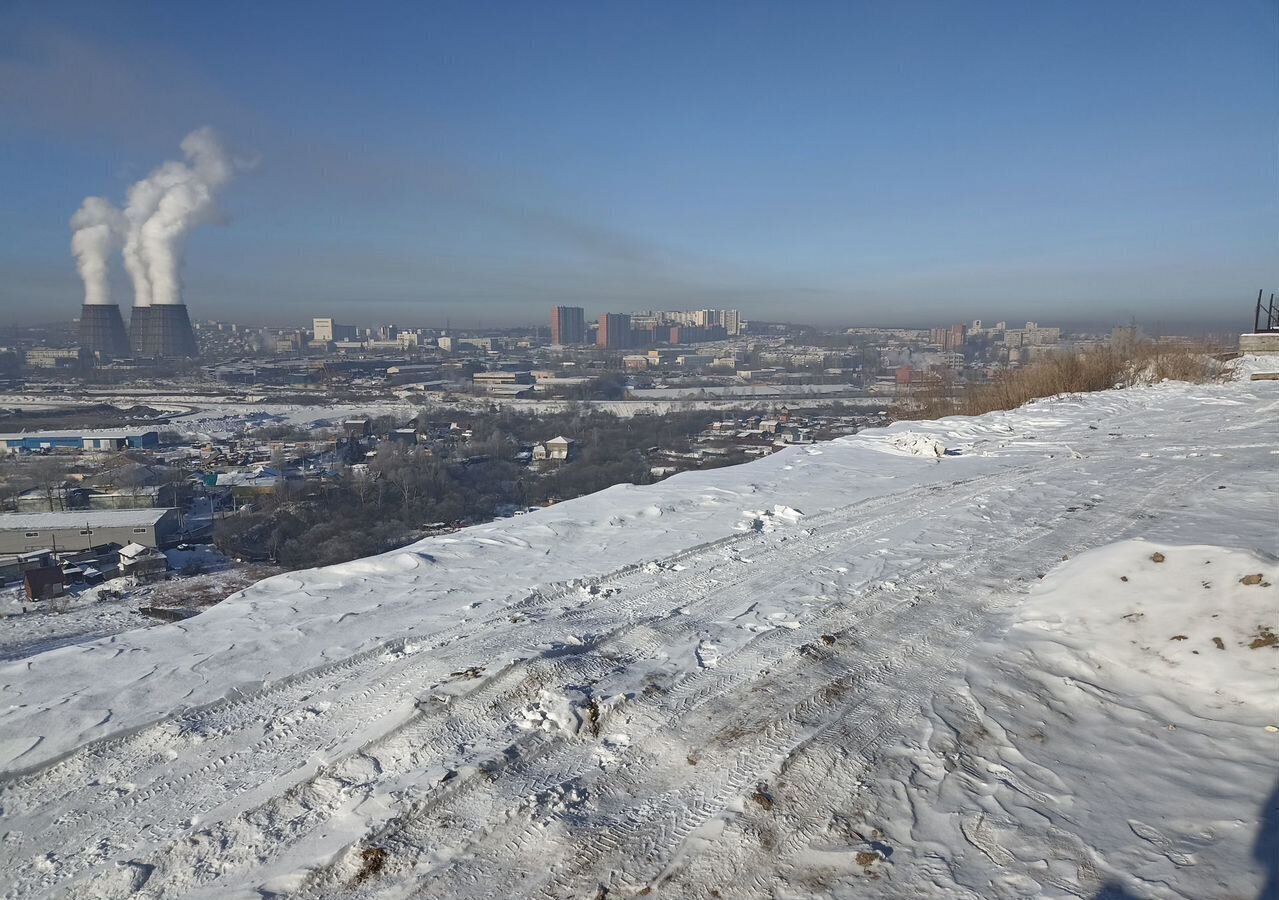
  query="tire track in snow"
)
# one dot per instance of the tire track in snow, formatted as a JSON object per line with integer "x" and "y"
{"x": 200, "y": 790}
{"x": 554, "y": 777}
{"x": 809, "y": 792}
{"x": 684, "y": 622}
{"x": 622, "y": 832}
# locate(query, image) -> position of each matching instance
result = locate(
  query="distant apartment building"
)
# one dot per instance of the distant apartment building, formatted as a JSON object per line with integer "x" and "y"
{"x": 286, "y": 342}
{"x": 647, "y": 320}
{"x": 614, "y": 331}
{"x": 328, "y": 330}
{"x": 695, "y": 334}
{"x": 1033, "y": 335}
{"x": 951, "y": 340}
{"x": 1124, "y": 336}
{"x": 58, "y": 357}
{"x": 568, "y": 325}
{"x": 659, "y": 322}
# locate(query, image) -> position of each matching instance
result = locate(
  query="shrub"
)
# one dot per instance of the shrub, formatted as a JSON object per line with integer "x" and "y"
{"x": 1066, "y": 373}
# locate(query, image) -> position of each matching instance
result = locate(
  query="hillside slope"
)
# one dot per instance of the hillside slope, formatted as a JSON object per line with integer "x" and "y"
{"x": 1035, "y": 665}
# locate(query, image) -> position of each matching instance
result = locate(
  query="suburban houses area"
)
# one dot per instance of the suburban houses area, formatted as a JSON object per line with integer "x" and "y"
{"x": 95, "y": 504}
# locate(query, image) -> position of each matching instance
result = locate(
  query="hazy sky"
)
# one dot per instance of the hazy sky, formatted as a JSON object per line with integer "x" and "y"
{"x": 857, "y": 162}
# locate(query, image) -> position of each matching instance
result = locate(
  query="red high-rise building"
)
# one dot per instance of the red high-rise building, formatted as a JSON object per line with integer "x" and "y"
{"x": 568, "y": 325}
{"x": 614, "y": 332}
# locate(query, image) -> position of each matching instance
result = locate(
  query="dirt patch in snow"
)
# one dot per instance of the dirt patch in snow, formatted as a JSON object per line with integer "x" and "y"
{"x": 372, "y": 862}
{"x": 1265, "y": 638}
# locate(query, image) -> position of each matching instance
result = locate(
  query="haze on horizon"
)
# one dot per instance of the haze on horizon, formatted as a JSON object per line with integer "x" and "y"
{"x": 847, "y": 163}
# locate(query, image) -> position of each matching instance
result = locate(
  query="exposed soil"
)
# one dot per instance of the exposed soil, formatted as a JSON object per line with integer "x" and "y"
{"x": 372, "y": 861}
{"x": 1265, "y": 638}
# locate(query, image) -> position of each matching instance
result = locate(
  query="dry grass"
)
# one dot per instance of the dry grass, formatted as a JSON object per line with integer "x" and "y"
{"x": 1064, "y": 374}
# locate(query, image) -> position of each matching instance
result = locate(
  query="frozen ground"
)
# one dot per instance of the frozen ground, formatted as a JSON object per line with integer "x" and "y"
{"x": 85, "y": 614}
{"x": 1041, "y": 663}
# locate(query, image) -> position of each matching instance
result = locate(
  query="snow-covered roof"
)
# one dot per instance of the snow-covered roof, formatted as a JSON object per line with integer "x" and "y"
{"x": 258, "y": 477}
{"x": 133, "y": 550}
{"x": 87, "y": 518}
{"x": 561, "y": 440}
{"x": 78, "y": 432}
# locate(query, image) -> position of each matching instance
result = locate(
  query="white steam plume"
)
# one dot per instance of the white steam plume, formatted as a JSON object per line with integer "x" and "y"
{"x": 96, "y": 229}
{"x": 163, "y": 208}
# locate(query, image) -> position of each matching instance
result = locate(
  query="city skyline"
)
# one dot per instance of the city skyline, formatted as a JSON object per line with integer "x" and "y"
{"x": 485, "y": 165}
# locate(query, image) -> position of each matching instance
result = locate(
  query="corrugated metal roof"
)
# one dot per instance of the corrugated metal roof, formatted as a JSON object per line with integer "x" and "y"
{"x": 89, "y": 518}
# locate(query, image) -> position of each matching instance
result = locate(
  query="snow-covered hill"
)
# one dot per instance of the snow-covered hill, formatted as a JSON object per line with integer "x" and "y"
{"x": 1039, "y": 664}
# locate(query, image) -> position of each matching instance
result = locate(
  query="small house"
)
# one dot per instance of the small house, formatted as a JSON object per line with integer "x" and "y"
{"x": 142, "y": 562}
{"x": 43, "y": 583}
{"x": 560, "y": 448}
{"x": 357, "y": 428}
{"x": 247, "y": 485}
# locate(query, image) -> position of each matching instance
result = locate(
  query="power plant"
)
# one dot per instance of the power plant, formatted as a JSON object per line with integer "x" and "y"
{"x": 163, "y": 332}
{"x": 138, "y": 335}
{"x": 102, "y": 330}
{"x": 161, "y": 210}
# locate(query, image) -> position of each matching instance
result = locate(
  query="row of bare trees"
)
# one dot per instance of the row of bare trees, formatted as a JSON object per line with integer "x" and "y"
{"x": 405, "y": 487}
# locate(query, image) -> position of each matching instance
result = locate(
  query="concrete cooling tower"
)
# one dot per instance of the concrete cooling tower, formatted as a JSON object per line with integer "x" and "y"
{"x": 102, "y": 330}
{"x": 162, "y": 331}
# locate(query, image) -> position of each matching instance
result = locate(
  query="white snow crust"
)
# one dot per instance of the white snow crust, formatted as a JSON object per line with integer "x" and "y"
{"x": 1038, "y": 663}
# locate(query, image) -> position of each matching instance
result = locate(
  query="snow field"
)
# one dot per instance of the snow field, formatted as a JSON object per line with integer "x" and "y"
{"x": 932, "y": 681}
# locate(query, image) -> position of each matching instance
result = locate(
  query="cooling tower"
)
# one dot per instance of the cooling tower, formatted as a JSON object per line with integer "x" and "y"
{"x": 163, "y": 331}
{"x": 138, "y": 331}
{"x": 102, "y": 330}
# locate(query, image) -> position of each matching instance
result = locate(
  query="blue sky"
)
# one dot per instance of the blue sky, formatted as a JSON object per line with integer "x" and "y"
{"x": 848, "y": 162}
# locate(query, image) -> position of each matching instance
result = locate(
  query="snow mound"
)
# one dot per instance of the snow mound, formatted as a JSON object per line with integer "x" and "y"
{"x": 566, "y": 713}
{"x": 553, "y": 712}
{"x": 1200, "y": 619}
{"x": 1133, "y": 692}
{"x": 770, "y": 520}
{"x": 913, "y": 444}
{"x": 1243, "y": 368}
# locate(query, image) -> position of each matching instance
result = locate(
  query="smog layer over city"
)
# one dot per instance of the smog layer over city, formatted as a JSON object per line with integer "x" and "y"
{"x": 714, "y": 450}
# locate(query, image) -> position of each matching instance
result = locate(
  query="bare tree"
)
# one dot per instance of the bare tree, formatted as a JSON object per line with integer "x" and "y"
{"x": 14, "y": 481}
{"x": 50, "y": 474}
{"x": 400, "y": 468}
{"x": 363, "y": 484}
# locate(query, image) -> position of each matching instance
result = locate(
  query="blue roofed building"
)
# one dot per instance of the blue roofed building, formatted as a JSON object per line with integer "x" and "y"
{"x": 82, "y": 439}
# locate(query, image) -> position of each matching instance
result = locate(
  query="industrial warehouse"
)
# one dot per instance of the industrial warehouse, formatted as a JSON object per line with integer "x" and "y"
{"x": 83, "y": 439}
{"x": 87, "y": 529}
